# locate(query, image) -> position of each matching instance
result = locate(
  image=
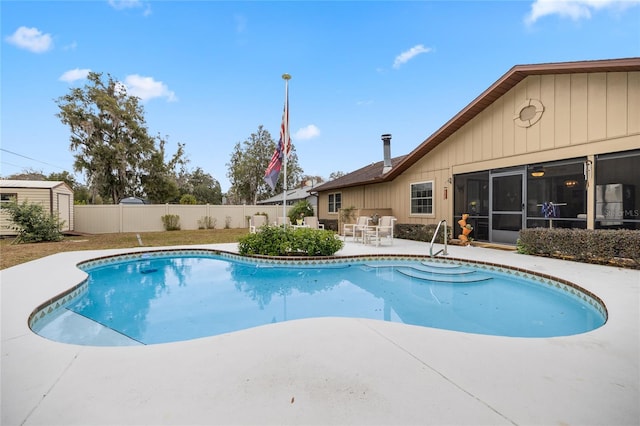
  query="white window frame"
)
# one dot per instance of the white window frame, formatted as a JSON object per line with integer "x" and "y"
{"x": 336, "y": 209}
{"x": 433, "y": 198}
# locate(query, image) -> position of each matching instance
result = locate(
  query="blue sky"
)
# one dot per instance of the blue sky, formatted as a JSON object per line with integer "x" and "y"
{"x": 209, "y": 72}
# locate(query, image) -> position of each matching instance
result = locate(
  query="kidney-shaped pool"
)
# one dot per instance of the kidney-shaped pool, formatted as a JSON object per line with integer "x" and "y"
{"x": 168, "y": 296}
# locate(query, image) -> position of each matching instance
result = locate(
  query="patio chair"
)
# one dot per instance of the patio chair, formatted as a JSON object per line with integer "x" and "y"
{"x": 355, "y": 229}
{"x": 256, "y": 222}
{"x": 381, "y": 232}
{"x": 312, "y": 222}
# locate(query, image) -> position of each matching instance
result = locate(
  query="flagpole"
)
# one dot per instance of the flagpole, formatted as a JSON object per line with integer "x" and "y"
{"x": 285, "y": 144}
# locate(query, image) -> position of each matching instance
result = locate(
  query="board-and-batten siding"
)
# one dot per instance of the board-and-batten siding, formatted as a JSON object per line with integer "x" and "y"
{"x": 584, "y": 114}
{"x": 580, "y": 109}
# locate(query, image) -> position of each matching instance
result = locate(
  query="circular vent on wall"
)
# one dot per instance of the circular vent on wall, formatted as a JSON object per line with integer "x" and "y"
{"x": 528, "y": 113}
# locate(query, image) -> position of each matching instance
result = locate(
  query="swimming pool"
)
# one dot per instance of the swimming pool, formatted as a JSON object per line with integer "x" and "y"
{"x": 168, "y": 296}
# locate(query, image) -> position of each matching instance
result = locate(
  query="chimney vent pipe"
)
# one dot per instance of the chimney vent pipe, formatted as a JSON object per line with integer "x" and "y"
{"x": 386, "y": 144}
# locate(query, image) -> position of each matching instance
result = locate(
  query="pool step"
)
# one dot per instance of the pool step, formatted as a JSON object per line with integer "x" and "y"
{"x": 443, "y": 277}
{"x": 424, "y": 267}
{"x": 439, "y": 265}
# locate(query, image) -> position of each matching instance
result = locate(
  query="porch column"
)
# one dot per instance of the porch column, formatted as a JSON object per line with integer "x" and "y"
{"x": 589, "y": 173}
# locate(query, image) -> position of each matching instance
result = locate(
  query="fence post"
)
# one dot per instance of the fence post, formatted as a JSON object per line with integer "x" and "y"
{"x": 120, "y": 218}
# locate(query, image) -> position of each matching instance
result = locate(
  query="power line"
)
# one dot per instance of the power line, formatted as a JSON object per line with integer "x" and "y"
{"x": 11, "y": 164}
{"x": 32, "y": 159}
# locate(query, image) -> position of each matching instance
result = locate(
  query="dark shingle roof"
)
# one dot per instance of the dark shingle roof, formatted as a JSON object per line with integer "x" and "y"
{"x": 373, "y": 173}
{"x": 366, "y": 175}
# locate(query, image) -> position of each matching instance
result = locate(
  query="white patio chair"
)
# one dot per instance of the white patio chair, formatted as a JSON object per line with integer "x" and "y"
{"x": 312, "y": 222}
{"x": 381, "y": 232}
{"x": 356, "y": 230}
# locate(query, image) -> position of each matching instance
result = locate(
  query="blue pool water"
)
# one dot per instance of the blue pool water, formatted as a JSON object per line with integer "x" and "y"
{"x": 172, "y": 298}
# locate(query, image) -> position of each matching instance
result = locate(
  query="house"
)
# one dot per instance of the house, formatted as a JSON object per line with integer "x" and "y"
{"x": 294, "y": 196}
{"x": 54, "y": 196}
{"x": 546, "y": 145}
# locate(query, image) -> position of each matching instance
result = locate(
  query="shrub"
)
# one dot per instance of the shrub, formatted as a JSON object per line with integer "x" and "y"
{"x": 419, "y": 232}
{"x": 299, "y": 210}
{"x": 171, "y": 222}
{"x": 32, "y": 223}
{"x": 188, "y": 199}
{"x": 281, "y": 241}
{"x": 620, "y": 247}
{"x": 207, "y": 222}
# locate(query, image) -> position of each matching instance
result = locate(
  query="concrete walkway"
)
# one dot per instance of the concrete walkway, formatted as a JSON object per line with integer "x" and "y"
{"x": 329, "y": 370}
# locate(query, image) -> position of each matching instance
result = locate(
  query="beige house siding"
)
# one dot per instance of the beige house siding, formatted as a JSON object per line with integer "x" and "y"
{"x": 578, "y": 110}
{"x": 584, "y": 115}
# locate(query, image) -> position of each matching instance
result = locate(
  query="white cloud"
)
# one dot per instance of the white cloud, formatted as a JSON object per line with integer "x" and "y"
{"x": 71, "y": 46}
{"x": 31, "y": 39}
{"x": 125, "y": 4}
{"x": 308, "y": 132}
{"x": 573, "y": 9}
{"x": 130, "y": 4}
{"x": 75, "y": 74}
{"x": 407, "y": 55}
{"x": 147, "y": 88}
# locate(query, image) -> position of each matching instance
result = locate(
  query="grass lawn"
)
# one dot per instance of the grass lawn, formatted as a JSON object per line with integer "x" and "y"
{"x": 15, "y": 254}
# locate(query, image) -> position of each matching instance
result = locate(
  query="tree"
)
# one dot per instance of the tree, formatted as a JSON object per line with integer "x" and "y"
{"x": 311, "y": 180}
{"x": 201, "y": 185}
{"x": 160, "y": 181}
{"x": 28, "y": 174}
{"x": 110, "y": 139}
{"x": 65, "y": 177}
{"x": 248, "y": 164}
{"x": 81, "y": 195}
{"x": 206, "y": 189}
{"x": 336, "y": 175}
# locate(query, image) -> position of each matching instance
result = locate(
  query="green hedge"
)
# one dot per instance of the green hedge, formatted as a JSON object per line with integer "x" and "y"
{"x": 280, "y": 241}
{"x": 619, "y": 247}
{"x": 419, "y": 232}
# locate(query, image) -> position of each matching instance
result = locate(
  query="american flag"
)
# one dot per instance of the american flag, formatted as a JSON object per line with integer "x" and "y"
{"x": 273, "y": 171}
{"x": 275, "y": 165}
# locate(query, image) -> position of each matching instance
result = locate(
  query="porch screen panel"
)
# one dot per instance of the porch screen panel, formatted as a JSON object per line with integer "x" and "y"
{"x": 618, "y": 191}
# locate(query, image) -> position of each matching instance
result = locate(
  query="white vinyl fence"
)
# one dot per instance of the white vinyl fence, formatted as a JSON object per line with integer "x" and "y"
{"x": 105, "y": 219}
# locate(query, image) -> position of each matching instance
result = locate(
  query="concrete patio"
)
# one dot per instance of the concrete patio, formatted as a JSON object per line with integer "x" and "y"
{"x": 329, "y": 370}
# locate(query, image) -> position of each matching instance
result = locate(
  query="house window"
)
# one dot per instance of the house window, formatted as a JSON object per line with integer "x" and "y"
{"x": 7, "y": 198}
{"x": 422, "y": 198}
{"x": 335, "y": 202}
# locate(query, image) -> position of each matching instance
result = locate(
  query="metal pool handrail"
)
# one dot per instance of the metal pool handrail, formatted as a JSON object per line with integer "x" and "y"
{"x": 444, "y": 250}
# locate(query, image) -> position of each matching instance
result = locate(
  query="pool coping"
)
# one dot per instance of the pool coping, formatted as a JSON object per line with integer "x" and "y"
{"x": 330, "y": 370}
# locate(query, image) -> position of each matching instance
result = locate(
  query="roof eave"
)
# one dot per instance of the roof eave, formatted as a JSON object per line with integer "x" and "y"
{"x": 505, "y": 83}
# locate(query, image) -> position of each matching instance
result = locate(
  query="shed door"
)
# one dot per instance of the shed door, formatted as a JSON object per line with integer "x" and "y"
{"x": 64, "y": 211}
